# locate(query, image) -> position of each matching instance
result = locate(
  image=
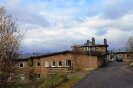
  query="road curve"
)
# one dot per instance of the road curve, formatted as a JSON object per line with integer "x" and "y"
{"x": 114, "y": 75}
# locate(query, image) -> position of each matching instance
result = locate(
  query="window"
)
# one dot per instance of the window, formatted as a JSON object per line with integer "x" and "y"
{"x": 97, "y": 48}
{"x": 87, "y": 48}
{"x": 46, "y": 64}
{"x": 21, "y": 65}
{"x": 68, "y": 62}
{"x": 38, "y": 64}
{"x": 128, "y": 55}
{"x": 53, "y": 63}
{"x": 60, "y": 63}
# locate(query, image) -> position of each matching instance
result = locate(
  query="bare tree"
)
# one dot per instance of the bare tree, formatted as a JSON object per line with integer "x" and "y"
{"x": 9, "y": 46}
{"x": 76, "y": 54}
{"x": 129, "y": 47}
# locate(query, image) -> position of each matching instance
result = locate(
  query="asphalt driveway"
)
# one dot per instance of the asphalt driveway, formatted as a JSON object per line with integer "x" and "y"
{"x": 114, "y": 75}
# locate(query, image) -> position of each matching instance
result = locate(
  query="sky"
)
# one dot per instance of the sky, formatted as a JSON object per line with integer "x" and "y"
{"x": 55, "y": 25}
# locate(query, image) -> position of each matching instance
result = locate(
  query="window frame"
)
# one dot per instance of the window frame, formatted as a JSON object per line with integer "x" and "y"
{"x": 97, "y": 49}
{"x": 37, "y": 64}
{"x": 47, "y": 64}
{"x": 67, "y": 63}
{"x": 59, "y": 64}
{"x": 53, "y": 63}
{"x": 21, "y": 64}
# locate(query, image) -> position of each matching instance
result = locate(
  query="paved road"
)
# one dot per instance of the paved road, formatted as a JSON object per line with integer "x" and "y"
{"x": 115, "y": 75}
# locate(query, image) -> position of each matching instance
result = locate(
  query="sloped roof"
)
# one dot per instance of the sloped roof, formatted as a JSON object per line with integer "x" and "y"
{"x": 123, "y": 52}
{"x": 32, "y": 56}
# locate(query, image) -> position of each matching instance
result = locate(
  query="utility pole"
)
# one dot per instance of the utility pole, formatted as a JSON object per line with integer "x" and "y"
{"x": 90, "y": 53}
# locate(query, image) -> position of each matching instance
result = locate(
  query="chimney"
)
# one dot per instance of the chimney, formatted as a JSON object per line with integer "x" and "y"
{"x": 105, "y": 41}
{"x": 87, "y": 42}
{"x": 93, "y": 41}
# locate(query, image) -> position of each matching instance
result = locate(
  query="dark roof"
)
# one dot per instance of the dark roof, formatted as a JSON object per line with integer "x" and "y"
{"x": 31, "y": 56}
{"x": 39, "y": 55}
{"x": 123, "y": 52}
{"x": 51, "y": 54}
{"x": 24, "y": 56}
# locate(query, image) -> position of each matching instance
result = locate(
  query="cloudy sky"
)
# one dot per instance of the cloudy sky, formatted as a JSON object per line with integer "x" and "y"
{"x": 55, "y": 25}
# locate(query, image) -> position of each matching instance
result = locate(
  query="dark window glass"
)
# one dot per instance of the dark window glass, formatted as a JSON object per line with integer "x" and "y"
{"x": 60, "y": 63}
{"x": 68, "y": 62}
{"x": 38, "y": 63}
{"x": 53, "y": 63}
{"x": 21, "y": 65}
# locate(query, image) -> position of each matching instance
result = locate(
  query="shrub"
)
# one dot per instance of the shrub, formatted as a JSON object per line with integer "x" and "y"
{"x": 131, "y": 65}
{"x": 52, "y": 80}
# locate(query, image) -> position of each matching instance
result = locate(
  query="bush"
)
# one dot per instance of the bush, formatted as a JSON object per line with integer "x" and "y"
{"x": 52, "y": 80}
{"x": 131, "y": 65}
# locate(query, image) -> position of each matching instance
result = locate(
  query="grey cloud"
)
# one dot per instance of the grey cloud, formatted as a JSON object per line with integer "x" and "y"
{"x": 101, "y": 32}
{"x": 31, "y": 18}
{"x": 115, "y": 11}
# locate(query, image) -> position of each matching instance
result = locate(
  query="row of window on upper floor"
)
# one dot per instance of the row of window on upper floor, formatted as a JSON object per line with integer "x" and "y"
{"x": 62, "y": 63}
{"x": 93, "y": 48}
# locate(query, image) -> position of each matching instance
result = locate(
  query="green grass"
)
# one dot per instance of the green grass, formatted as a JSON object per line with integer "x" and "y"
{"x": 51, "y": 81}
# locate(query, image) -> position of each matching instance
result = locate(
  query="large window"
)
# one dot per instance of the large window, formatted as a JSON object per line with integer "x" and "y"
{"x": 68, "y": 63}
{"x": 53, "y": 63}
{"x": 60, "y": 63}
{"x": 46, "y": 64}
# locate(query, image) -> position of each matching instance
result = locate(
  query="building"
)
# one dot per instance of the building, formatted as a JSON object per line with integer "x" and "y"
{"x": 92, "y": 46}
{"x": 62, "y": 62}
{"x": 126, "y": 56}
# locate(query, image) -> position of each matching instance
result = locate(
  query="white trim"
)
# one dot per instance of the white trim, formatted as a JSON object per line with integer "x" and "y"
{"x": 23, "y": 65}
{"x": 36, "y": 64}
{"x": 46, "y": 64}
{"x": 67, "y": 63}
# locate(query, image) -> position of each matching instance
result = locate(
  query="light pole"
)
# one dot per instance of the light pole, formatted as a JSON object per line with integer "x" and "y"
{"x": 90, "y": 53}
